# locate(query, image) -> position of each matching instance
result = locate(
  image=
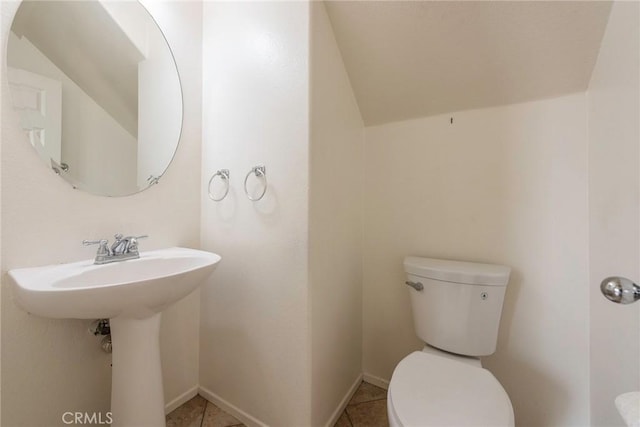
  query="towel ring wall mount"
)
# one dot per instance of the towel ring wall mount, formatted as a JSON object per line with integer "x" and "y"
{"x": 260, "y": 172}
{"x": 224, "y": 176}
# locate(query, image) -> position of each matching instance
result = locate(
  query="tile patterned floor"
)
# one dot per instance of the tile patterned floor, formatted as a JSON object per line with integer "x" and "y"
{"x": 367, "y": 408}
{"x": 198, "y": 412}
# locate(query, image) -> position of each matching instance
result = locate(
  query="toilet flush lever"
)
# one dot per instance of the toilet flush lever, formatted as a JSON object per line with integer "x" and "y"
{"x": 415, "y": 285}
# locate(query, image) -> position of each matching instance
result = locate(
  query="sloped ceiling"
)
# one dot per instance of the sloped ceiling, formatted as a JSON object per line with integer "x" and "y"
{"x": 409, "y": 59}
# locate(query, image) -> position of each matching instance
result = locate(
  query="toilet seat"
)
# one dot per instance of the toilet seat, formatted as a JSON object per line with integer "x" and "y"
{"x": 430, "y": 390}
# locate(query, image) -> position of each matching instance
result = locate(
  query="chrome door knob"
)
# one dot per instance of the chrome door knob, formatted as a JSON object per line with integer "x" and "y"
{"x": 620, "y": 290}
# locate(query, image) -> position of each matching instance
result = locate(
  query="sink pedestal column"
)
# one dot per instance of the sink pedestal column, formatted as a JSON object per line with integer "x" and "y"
{"x": 137, "y": 397}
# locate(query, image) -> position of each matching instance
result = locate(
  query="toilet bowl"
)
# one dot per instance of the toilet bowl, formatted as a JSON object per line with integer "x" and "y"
{"x": 456, "y": 308}
{"x": 431, "y": 390}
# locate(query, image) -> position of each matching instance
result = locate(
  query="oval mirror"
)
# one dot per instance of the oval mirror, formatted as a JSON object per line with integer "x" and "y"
{"x": 97, "y": 91}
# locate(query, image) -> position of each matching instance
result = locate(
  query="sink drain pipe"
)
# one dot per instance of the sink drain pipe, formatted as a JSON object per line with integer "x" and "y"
{"x": 102, "y": 327}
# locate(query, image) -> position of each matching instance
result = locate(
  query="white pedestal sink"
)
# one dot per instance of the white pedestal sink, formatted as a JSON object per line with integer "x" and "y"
{"x": 628, "y": 405}
{"x": 132, "y": 294}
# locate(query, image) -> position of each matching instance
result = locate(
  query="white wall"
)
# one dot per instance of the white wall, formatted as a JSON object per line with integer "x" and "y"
{"x": 614, "y": 209}
{"x": 57, "y": 363}
{"x": 503, "y": 185}
{"x": 255, "y": 338}
{"x": 335, "y": 225}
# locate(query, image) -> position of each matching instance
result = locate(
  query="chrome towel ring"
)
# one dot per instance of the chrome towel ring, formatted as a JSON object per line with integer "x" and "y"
{"x": 224, "y": 176}
{"x": 260, "y": 172}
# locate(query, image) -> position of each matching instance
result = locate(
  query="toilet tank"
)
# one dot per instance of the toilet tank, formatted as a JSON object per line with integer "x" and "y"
{"x": 460, "y": 304}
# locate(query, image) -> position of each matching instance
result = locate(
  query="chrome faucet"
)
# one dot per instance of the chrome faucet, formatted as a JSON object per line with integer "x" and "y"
{"x": 123, "y": 248}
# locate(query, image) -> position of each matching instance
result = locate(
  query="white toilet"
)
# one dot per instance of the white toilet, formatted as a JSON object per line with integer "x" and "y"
{"x": 456, "y": 312}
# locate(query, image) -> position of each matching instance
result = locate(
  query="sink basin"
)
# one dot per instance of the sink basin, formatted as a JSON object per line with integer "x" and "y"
{"x": 132, "y": 295}
{"x": 628, "y": 405}
{"x": 135, "y": 288}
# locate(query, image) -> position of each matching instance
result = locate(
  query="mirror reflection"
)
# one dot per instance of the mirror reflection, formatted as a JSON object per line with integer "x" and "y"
{"x": 97, "y": 91}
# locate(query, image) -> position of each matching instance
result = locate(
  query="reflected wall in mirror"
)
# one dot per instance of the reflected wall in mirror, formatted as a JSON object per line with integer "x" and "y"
{"x": 97, "y": 91}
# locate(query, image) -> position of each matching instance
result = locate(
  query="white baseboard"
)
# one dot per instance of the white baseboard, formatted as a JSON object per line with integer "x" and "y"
{"x": 254, "y": 422}
{"x": 183, "y": 398}
{"x": 230, "y": 408}
{"x": 377, "y": 381}
{"x": 344, "y": 402}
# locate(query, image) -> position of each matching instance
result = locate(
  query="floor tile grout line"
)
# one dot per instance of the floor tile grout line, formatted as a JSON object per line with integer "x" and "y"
{"x": 348, "y": 417}
{"x": 204, "y": 411}
{"x": 367, "y": 401}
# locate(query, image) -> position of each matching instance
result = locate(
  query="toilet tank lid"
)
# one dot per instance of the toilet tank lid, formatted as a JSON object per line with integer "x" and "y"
{"x": 470, "y": 273}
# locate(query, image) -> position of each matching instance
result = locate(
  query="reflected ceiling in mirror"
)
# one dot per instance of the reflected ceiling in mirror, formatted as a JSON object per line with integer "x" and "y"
{"x": 97, "y": 91}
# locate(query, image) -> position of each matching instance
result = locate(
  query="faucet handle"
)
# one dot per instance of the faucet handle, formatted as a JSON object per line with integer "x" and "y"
{"x": 133, "y": 242}
{"x": 102, "y": 249}
{"x": 94, "y": 242}
{"x": 121, "y": 236}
